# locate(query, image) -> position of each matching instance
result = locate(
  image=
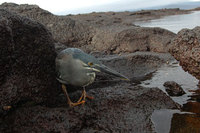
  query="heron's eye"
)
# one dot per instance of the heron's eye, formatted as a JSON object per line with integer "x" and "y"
{"x": 90, "y": 63}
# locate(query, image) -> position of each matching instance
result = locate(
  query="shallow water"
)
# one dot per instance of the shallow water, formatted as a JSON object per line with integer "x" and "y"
{"x": 167, "y": 120}
{"x": 187, "y": 119}
{"x": 174, "y": 23}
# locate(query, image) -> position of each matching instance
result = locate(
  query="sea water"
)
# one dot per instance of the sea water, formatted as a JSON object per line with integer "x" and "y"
{"x": 174, "y": 23}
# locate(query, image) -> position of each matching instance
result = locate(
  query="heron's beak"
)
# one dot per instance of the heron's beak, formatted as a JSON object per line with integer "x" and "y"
{"x": 105, "y": 69}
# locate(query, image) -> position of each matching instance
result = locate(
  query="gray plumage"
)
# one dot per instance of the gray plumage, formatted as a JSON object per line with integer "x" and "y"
{"x": 75, "y": 67}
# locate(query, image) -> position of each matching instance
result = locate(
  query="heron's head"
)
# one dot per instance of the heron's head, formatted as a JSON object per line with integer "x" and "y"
{"x": 93, "y": 64}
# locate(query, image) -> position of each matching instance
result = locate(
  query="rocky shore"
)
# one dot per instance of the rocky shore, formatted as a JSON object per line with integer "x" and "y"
{"x": 31, "y": 37}
{"x": 115, "y": 31}
{"x": 186, "y": 49}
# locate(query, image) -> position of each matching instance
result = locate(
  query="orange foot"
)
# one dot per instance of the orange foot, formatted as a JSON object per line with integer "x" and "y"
{"x": 89, "y": 97}
{"x": 84, "y": 96}
{"x": 71, "y": 104}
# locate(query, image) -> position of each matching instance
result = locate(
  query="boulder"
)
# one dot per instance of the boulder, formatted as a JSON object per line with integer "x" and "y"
{"x": 186, "y": 49}
{"x": 173, "y": 89}
{"x": 132, "y": 39}
{"x": 64, "y": 29}
{"x": 136, "y": 65}
{"x": 143, "y": 39}
{"x": 185, "y": 123}
{"x": 27, "y": 60}
{"x": 118, "y": 108}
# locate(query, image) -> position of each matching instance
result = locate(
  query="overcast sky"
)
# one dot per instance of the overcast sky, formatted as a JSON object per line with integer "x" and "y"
{"x": 86, "y": 6}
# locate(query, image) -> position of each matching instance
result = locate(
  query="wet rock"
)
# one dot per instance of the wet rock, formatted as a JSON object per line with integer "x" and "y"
{"x": 186, "y": 49}
{"x": 26, "y": 60}
{"x": 173, "y": 89}
{"x": 193, "y": 107}
{"x": 118, "y": 108}
{"x": 185, "y": 123}
{"x": 136, "y": 65}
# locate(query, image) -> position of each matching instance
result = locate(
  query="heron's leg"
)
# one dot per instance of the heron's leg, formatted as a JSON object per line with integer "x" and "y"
{"x": 80, "y": 97}
{"x": 85, "y": 95}
{"x": 68, "y": 99}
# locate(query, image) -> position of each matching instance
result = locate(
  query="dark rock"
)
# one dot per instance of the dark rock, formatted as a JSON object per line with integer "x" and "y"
{"x": 173, "y": 89}
{"x": 28, "y": 81}
{"x": 59, "y": 47}
{"x": 6, "y": 47}
{"x": 26, "y": 61}
{"x": 120, "y": 108}
{"x": 141, "y": 13}
{"x": 138, "y": 64}
{"x": 193, "y": 107}
{"x": 185, "y": 123}
{"x": 186, "y": 49}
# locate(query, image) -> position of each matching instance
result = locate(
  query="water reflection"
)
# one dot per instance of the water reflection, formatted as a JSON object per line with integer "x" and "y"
{"x": 174, "y": 23}
{"x": 173, "y": 72}
{"x": 162, "y": 119}
{"x": 187, "y": 123}
{"x": 187, "y": 119}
